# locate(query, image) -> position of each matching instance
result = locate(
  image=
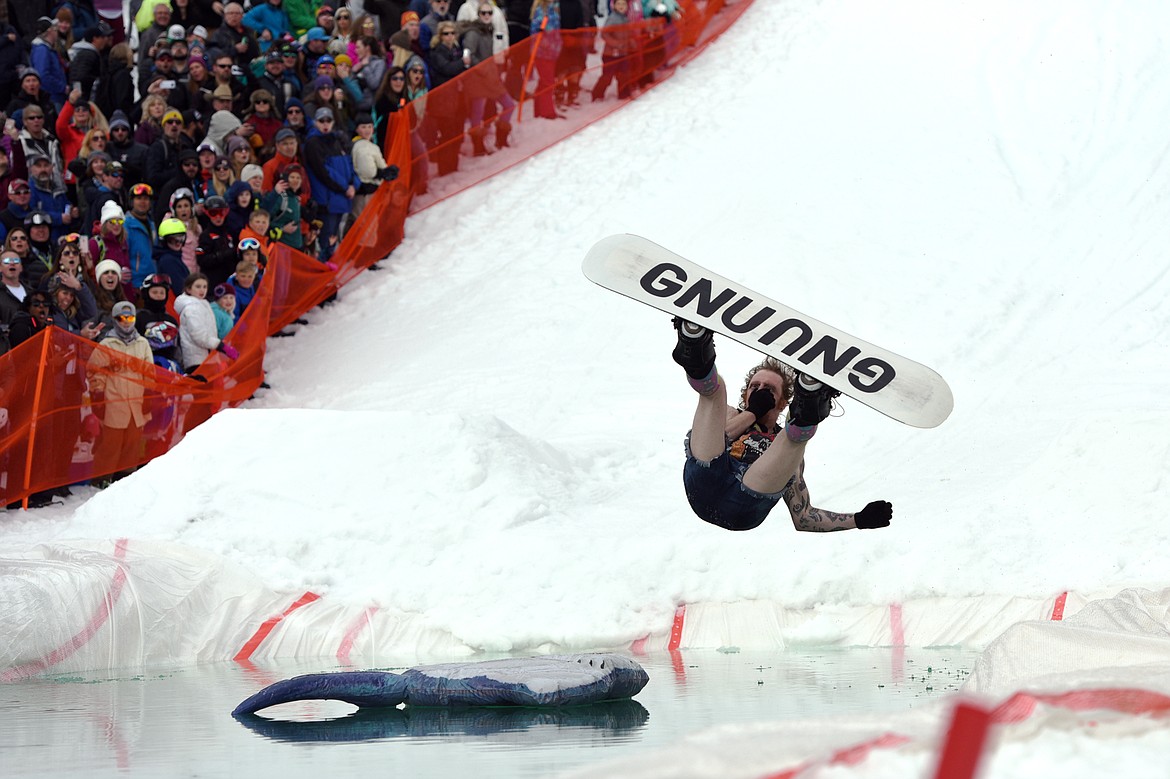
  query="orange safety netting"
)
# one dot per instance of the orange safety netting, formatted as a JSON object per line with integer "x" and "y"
{"x": 78, "y": 411}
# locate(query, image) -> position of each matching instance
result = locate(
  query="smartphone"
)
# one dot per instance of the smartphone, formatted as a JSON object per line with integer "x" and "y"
{"x": 167, "y": 84}
{"x": 77, "y": 85}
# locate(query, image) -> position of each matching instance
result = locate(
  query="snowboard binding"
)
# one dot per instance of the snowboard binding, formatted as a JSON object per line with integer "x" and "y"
{"x": 811, "y": 401}
{"x": 695, "y": 350}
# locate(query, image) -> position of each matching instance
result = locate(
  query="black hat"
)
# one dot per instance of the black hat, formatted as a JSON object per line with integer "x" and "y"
{"x": 43, "y": 25}
{"x": 37, "y": 217}
{"x": 99, "y": 30}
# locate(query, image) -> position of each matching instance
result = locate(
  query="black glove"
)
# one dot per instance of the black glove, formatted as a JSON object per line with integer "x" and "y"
{"x": 876, "y": 514}
{"x": 388, "y": 173}
{"x": 761, "y": 401}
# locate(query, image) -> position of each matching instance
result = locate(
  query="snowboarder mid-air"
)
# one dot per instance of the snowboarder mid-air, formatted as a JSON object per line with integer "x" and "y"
{"x": 742, "y": 461}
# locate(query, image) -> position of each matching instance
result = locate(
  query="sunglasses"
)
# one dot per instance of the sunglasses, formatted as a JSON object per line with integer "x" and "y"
{"x": 294, "y": 110}
{"x": 17, "y": 237}
{"x": 70, "y": 253}
{"x": 32, "y": 118}
{"x": 260, "y": 100}
{"x": 324, "y": 121}
{"x": 174, "y": 121}
{"x": 448, "y": 32}
{"x": 98, "y": 138}
{"x": 119, "y": 129}
{"x": 38, "y": 304}
{"x": 125, "y": 318}
{"x": 398, "y": 77}
{"x": 342, "y": 16}
{"x": 116, "y": 221}
{"x": 485, "y": 13}
{"x": 223, "y": 167}
{"x": 22, "y": 191}
{"x": 11, "y": 261}
{"x": 417, "y": 70}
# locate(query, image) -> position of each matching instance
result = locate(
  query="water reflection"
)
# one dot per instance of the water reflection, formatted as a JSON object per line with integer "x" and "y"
{"x": 613, "y": 718}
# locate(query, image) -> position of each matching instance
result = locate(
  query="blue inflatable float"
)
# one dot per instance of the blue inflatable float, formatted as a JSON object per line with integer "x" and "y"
{"x": 552, "y": 680}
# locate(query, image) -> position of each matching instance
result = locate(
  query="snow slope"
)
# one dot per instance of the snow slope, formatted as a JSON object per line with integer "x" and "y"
{"x": 478, "y": 434}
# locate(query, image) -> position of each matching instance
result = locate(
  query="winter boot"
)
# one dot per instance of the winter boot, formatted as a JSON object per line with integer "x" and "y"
{"x": 573, "y": 91}
{"x": 503, "y": 130}
{"x": 478, "y": 149}
{"x": 695, "y": 350}
{"x": 811, "y": 403}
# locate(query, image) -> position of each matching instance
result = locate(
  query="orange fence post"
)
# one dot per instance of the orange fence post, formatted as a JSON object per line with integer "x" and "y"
{"x": 36, "y": 409}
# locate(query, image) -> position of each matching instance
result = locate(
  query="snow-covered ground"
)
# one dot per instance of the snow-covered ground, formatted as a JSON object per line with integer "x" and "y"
{"x": 478, "y": 434}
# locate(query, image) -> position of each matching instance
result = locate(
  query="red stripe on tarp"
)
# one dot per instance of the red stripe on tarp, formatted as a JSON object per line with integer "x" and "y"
{"x": 1058, "y": 607}
{"x": 966, "y": 739}
{"x": 676, "y": 629}
{"x": 99, "y": 618}
{"x": 355, "y": 629}
{"x": 269, "y": 625}
{"x": 897, "y": 632}
{"x": 1126, "y": 700}
{"x": 853, "y": 755}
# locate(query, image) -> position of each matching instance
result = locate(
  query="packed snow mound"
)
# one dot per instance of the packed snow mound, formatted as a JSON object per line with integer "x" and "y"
{"x": 1118, "y": 642}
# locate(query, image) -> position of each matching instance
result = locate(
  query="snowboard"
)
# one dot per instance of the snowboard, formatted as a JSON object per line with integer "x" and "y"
{"x": 887, "y": 382}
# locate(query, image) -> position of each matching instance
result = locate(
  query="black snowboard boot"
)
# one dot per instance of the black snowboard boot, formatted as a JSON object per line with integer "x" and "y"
{"x": 811, "y": 401}
{"x": 695, "y": 351}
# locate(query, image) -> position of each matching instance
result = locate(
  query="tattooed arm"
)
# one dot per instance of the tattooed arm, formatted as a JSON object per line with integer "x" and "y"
{"x": 807, "y": 517}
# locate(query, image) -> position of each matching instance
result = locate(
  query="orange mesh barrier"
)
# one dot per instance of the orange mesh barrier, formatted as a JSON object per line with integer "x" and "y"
{"x": 78, "y": 411}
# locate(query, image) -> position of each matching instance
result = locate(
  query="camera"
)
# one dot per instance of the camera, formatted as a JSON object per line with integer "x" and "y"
{"x": 167, "y": 84}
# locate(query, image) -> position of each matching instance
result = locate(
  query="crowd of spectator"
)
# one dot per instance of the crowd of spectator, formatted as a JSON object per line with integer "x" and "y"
{"x": 147, "y": 169}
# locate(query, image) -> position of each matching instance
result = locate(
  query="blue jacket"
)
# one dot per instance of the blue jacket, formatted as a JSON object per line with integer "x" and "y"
{"x": 55, "y": 206}
{"x": 224, "y": 322}
{"x": 53, "y": 79}
{"x": 16, "y": 211}
{"x": 140, "y": 239}
{"x": 267, "y": 16}
{"x": 171, "y": 263}
{"x": 330, "y": 169}
{"x": 244, "y": 295}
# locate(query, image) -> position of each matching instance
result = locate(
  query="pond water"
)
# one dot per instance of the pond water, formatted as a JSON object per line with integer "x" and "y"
{"x": 177, "y": 722}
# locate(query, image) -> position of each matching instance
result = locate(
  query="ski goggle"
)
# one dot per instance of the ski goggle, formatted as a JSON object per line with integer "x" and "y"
{"x": 139, "y": 190}
{"x": 216, "y": 213}
{"x": 71, "y": 238}
{"x": 126, "y": 318}
{"x": 248, "y": 244}
{"x": 156, "y": 280}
